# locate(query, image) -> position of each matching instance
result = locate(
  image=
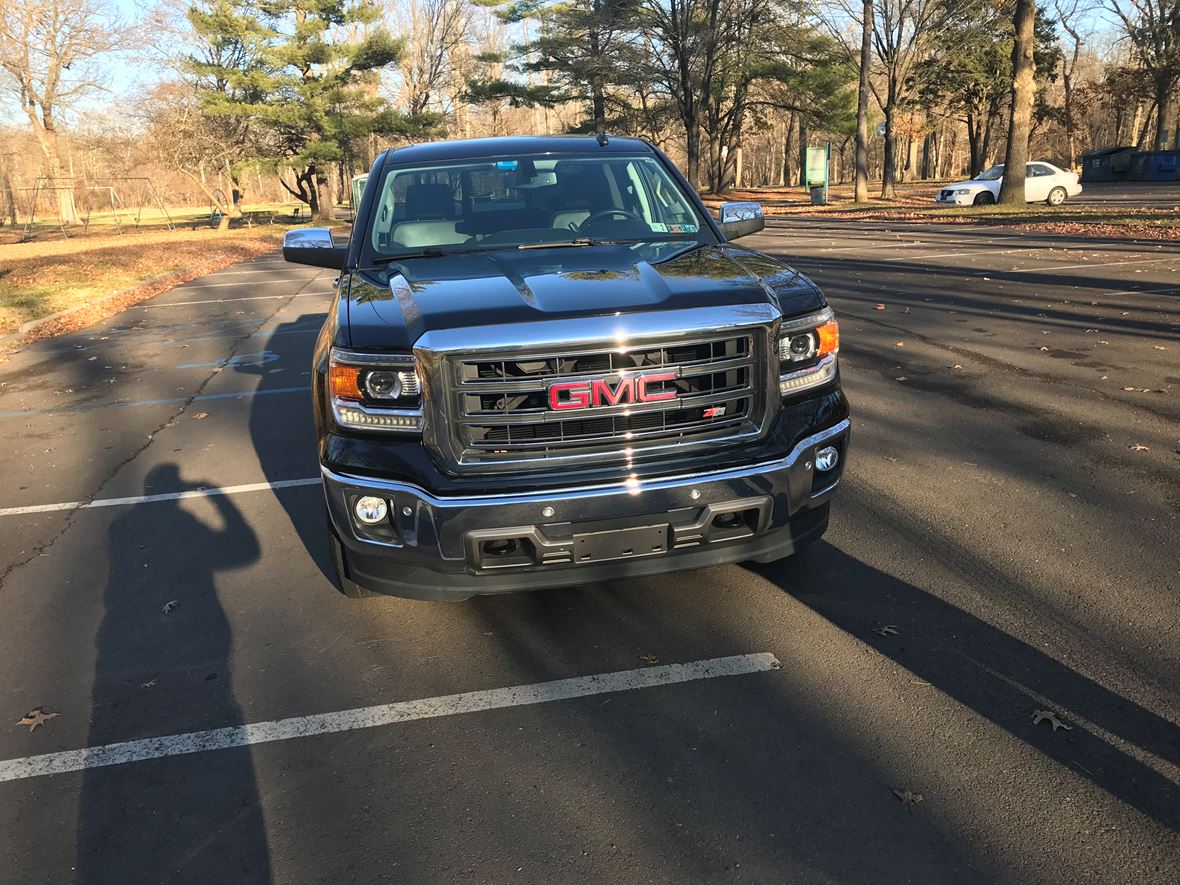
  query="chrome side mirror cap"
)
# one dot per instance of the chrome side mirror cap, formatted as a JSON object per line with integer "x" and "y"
{"x": 314, "y": 246}
{"x": 741, "y": 219}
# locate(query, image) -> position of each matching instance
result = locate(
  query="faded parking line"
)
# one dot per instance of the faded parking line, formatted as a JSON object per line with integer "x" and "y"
{"x": 163, "y": 496}
{"x": 134, "y": 403}
{"x": 384, "y": 714}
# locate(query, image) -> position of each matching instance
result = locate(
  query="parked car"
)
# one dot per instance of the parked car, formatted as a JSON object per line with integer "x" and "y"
{"x": 1043, "y": 183}
{"x": 546, "y": 364}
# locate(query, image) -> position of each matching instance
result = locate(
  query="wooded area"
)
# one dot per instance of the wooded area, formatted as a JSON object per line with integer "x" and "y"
{"x": 289, "y": 98}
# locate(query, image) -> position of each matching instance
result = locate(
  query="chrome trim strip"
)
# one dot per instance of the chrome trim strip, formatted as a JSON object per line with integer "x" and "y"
{"x": 824, "y": 367}
{"x": 634, "y": 488}
{"x": 564, "y": 335}
{"x": 808, "y": 322}
{"x": 354, "y": 358}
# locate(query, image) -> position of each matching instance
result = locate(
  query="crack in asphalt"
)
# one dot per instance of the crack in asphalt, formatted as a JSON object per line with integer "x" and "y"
{"x": 43, "y": 547}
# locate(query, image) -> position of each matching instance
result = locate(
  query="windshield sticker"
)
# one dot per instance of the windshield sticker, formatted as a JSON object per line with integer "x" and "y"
{"x": 675, "y": 228}
{"x": 505, "y": 165}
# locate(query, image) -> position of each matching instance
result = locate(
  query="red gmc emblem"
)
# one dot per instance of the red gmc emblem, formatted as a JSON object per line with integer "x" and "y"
{"x": 601, "y": 392}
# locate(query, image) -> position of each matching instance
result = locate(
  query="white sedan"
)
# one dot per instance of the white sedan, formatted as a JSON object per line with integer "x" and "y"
{"x": 1043, "y": 183}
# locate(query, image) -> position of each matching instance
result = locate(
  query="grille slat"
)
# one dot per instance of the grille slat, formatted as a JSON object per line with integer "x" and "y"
{"x": 503, "y": 414}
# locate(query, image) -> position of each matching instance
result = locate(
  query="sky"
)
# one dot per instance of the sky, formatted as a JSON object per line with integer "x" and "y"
{"x": 129, "y": 73}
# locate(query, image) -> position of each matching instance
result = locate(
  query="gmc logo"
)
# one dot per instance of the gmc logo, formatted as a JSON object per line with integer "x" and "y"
{"x": 600, "y": 392}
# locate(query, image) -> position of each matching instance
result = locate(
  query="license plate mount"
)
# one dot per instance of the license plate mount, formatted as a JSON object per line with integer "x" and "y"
{"x": 632, "y": 543}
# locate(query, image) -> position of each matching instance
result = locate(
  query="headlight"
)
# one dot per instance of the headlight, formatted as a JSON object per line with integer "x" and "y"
{"x": 963, "y": 191}
{"x": 372, "y": 391}
{"x": 807, "y": 349}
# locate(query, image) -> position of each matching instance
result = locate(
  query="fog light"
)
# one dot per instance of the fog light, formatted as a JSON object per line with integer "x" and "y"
{"x": 826, "y": 458}
{"x": 370, "y": 510}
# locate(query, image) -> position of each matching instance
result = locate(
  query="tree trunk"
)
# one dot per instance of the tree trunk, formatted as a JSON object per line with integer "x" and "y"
{"x": 789, "y": 153}
{"x": 1024, "y": 90}
{"x": 1165, "y": 120}
{"x": 861, "y": 189}
{"x": 692, "y": 149}
{"x": 889, "y": 163}
{"x": 804, "y": 141}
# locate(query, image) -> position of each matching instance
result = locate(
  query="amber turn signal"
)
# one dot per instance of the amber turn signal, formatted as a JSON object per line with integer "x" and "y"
{"x": 344, "y": 381}
{"x": 829, "y": 338}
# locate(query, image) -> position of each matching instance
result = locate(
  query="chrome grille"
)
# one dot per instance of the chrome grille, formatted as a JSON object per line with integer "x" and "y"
{"x": 503, "y": 416}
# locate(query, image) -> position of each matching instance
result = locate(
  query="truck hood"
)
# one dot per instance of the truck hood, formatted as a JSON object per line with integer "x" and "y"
{"x": 391, "y": 308}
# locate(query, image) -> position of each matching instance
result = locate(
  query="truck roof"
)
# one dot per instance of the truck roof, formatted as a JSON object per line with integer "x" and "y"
{"x": 476, "y": 148}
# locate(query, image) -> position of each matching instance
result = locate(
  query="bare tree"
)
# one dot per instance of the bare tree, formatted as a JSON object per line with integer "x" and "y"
{"x": 1024, "y": 90}
{"x": 861, "y": 191}
{"x": 1071, "y": 15}
{"x": 1153, "y": 27}
{"x": 437, "y": 32}
{"x": 48, "y": 50}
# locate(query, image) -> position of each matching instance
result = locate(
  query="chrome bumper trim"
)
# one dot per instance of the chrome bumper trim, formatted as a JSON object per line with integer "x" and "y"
{"x": 634, "y": 487}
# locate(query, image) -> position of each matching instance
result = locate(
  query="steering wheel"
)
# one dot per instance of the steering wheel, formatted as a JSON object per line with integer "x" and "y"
{"x": 608, "y": 213}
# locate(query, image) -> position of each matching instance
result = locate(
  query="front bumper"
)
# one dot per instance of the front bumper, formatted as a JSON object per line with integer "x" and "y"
{"x": 956, "y": 199}
{"x": 434, "y": 547}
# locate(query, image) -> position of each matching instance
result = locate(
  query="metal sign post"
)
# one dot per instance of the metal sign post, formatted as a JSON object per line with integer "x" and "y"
{"x": 818, "y": 162}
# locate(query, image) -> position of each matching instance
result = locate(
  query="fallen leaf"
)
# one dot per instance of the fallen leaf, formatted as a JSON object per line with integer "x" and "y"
{"x": 649, "y": 659}
{"x": 878, "y": 307}
{"x": 908, "y": 797}
{"x": 901, "y": 378}
{"x": 1129, "y": 389}
{"x": 200, "y": 416}
{"x": 36, "y": 717}
{"x": 887, "y": 630}
{"x": 1049, "y": 716}
{"x": 1159, "y": 347}
{"x": 151, "y": 684}
{"x": 1044, "y": 348}
{"x": 899, "y": 344}
{"x": 168, "y": 607}
{"x": 1139, "y": 448}
{"x": 956, "y": 366}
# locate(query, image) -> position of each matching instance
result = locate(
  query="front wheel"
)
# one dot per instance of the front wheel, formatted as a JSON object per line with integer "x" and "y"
{"x": 1056, "y": 196}
{"x": 983, "y": 199}
{"x": 344, "y": 584}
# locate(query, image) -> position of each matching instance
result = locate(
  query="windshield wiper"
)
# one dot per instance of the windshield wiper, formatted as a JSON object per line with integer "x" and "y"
{"x": 561, "y": 244}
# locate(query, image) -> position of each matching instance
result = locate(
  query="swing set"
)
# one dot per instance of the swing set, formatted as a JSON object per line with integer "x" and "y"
{"x": 120, "y": 199}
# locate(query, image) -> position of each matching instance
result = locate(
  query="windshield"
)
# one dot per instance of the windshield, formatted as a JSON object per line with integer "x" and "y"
{"x": 993, "y": 174}
{"x": 513, "y": 202}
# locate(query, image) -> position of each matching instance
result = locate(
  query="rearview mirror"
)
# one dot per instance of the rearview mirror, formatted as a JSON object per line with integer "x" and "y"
{"x": 741, "y": 219}
{"x": 314, "y": 246}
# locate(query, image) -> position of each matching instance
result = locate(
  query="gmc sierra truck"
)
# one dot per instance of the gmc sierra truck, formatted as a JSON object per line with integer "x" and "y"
{"x": 547, "y": 364}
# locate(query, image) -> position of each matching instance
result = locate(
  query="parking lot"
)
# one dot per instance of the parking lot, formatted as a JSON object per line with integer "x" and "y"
{"x": 1006, "y": 541}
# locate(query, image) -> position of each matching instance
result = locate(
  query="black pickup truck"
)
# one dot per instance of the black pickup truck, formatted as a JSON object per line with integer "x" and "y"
{"x": 546, "y": 365}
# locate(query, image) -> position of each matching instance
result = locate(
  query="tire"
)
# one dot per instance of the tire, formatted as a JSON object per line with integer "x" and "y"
{"x": 343, "y": 583}
{"x": 983, "y": 199}
{"x": 1056, "y": 196}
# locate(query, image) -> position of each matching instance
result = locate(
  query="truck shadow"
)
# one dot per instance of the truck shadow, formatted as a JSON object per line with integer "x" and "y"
{"x": 283, "y": 432}
{"x": 994, "y": 674}
{"x": 163, "y": 654}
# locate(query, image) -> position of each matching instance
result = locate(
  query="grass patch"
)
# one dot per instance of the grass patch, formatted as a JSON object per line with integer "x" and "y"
{"x": 97, "y": 276}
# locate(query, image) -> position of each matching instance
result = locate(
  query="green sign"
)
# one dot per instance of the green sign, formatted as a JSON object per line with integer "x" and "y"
{"x": 817, "y": 172}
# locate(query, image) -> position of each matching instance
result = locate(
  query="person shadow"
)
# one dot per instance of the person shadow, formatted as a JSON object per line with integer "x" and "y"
{"x": 162, "y": 666}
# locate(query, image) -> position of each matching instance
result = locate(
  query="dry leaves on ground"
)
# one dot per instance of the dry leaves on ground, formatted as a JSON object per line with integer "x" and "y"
{"x": 908, "y": 797}
{"x": 36, "y": 717}
{"x": 1049, "y": 716}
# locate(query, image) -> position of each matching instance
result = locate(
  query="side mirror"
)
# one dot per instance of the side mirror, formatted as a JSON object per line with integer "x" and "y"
{"x": 741, "y": 219}
{"x": 314, "y": 246}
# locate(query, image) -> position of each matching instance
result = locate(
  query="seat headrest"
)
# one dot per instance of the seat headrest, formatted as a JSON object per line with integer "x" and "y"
{"x": 429, "y": 201}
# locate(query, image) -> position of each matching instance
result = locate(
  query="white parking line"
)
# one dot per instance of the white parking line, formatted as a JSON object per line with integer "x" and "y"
{"x": 164, "y": 496}
{"x": 1087, "y": 264}
{"x": 384, "y": 714}
{"x": 255, "y": 283}
{"x": 230, "y": 300}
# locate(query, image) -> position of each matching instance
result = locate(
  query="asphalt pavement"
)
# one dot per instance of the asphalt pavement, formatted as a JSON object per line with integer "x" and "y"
{"x": 1005, "y": 546}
